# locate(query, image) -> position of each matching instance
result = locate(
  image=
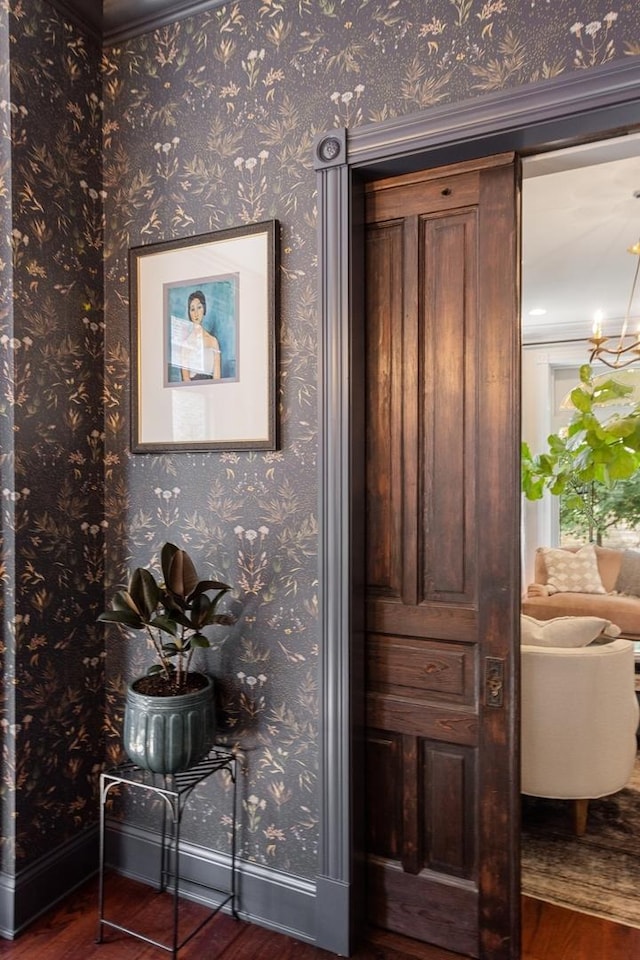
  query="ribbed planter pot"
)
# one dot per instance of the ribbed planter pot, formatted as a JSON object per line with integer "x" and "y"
{"x": 169, "y": 734}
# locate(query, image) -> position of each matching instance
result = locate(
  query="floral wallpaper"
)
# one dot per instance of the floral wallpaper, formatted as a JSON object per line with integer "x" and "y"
{"x": 205, "y": 124}
{"x": 51, "y": 431}
{"x": 6, "y": 443}
{"x": 210, "y": 123}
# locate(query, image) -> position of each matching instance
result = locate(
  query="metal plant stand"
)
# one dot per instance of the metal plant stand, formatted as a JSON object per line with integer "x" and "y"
{"x": 175, "y": 790}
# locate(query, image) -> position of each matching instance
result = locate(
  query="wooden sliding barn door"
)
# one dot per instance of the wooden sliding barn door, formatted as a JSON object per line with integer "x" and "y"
{"x": 442, "y": 555}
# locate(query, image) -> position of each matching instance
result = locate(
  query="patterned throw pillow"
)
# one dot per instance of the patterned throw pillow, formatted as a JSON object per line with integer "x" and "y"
{"x": 569, "y": 572}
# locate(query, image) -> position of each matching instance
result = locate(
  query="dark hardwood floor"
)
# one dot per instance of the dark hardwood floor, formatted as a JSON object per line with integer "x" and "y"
{"x": 68, "y": 932}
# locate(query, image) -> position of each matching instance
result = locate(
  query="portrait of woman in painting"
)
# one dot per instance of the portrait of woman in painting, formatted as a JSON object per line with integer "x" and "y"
{"x": 200, "y": 356}
{"x": 201, "y": 331}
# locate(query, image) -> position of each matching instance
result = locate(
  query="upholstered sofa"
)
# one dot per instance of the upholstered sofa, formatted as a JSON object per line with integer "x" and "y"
{"x": 547, "y": 597}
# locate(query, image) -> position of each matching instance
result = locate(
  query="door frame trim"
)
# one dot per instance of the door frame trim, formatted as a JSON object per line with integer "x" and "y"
{"x": 590, "y": 104}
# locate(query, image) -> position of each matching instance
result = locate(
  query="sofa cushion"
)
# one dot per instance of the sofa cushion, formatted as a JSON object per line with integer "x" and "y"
{"x": 628, "y": 580}
{"x": 569, "y": 572}
{"x": 563, "y": 631}
{"x": 624, "y": 611}
{"x": 609, "y": 562}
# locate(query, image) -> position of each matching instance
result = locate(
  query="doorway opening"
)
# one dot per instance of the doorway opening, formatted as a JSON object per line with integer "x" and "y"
{"x": 557, "y": 112}
{"x": 580, "y": 217}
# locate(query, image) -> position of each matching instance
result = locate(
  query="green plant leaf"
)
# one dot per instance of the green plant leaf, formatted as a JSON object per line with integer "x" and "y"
{"x": 122, "y": 601}
{"x": 144, "y": 592}
{"x": 166, "y": 556}
{"x": 181, "y": 579}
{"x": 205, "y": 585}
{"x": 200, "y": 608}
{"x": 581, "y": 400}
{"x": 199, "y": 640}
{"x": 558, "y": 485}
{"x": 126, "y": 617}
{"x": 180, "y": 618}
{"x": 166, "y": 624}
{"x": 624, "y": 465}
{"x": 173, "y": 612}
{"x": 586, "y": 462}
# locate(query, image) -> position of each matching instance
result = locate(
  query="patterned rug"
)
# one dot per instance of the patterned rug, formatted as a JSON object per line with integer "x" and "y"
{"x": 598, "y": 873}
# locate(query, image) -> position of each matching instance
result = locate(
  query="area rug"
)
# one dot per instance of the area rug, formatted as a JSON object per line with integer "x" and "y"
{"x": 598, "y": 873}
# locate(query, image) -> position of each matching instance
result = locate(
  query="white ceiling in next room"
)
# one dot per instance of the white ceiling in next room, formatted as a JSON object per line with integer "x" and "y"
{"x": 579, "y": 216}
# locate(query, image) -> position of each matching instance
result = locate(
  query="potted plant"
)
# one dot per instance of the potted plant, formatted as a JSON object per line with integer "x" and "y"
{"x": 169, "y": 721}
{"x": 590, "y": 462}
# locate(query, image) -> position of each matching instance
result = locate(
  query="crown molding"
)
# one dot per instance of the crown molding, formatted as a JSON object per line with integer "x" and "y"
{"x": 84, "y": 13}
{"x": 124, "y": 19}
{"x": 113, "y": 21}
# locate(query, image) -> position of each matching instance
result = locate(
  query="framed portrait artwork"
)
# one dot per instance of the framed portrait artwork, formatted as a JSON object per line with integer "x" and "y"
{"x": 203, "y": 335}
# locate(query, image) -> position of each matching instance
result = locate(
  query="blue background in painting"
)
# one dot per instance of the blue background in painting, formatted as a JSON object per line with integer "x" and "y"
{"x": 220, "y": 319}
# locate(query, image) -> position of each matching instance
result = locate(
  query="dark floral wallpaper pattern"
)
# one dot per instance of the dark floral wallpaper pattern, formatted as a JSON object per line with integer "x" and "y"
{"x": 207, "y": 123}
{"x": 52, "y": 431}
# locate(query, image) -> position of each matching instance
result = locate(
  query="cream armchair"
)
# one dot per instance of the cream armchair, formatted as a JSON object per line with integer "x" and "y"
{"x": 579, "y": 722}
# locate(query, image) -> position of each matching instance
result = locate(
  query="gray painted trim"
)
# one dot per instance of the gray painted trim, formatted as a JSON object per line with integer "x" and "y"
{"x": 333, "y": 920}
{"x": 334, "y": 549}
{"x": 330, "y": 149}
{"x": 566, "y": 96}
{"x": 334, "y": 866}
{"x": 120, "y": 25}
{"x": 266, "y": 897}
{"x": 553, "y": 111}
{"x": 116, "y": 20}
{"x": 7, "y": 905}
{"x": 30, "y": 892}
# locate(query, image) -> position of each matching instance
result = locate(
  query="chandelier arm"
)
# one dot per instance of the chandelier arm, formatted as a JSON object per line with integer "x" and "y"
{"x": 598, "y": 350}
{"x": 618, "y": 365}
{"x": 619, "y": 350}
{"x": 627, "y": 315}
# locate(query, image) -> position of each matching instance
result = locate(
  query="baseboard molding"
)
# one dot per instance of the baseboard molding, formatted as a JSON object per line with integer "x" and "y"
{"x": 28, "y": 893}
{"x": 334, "y": 925}
{"x": 269, "y": 898}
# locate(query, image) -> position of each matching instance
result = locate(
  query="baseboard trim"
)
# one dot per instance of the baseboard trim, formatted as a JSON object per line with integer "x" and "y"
{"x": 334, "y": 926}
{"x": 269, "y": 898}
{"x": 32, "y": 891}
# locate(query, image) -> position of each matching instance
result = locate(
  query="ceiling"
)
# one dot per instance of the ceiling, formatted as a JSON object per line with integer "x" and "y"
{"x": 116, "y": 20}
{"x": 579, "y": 216}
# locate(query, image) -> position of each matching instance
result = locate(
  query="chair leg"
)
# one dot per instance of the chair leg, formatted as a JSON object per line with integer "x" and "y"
{"x": 580, "y": 812}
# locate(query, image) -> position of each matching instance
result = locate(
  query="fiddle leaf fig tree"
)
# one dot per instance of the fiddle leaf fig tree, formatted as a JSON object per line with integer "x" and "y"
{"x": 587, "y": 462}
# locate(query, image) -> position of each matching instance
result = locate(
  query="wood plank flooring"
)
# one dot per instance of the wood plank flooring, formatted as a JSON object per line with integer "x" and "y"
{"x": 68, "y": 932}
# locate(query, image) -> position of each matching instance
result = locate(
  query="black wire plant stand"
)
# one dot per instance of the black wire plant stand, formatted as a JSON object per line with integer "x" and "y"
{"x": 175, "y": 791}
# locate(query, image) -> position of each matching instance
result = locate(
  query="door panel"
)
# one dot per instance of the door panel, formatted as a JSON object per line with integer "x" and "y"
{"x": 442, "y": 548}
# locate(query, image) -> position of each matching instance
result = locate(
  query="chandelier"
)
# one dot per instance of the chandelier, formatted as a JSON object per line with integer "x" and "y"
{"x": 627, "y": 346}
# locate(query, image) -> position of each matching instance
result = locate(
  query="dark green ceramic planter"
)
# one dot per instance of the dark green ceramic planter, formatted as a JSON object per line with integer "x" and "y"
{"x": 169, "y": 734}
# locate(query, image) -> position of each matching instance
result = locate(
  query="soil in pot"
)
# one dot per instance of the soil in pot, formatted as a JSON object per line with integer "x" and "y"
{"x": 157, "y": 685}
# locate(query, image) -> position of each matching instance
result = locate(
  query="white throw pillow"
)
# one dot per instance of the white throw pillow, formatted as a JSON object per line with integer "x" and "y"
{"x": 569, "y": 572}
{"x": 564, "y": 631}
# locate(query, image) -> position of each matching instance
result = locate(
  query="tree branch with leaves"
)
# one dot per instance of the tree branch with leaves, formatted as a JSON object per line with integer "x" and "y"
{"x": 589, "y": 462}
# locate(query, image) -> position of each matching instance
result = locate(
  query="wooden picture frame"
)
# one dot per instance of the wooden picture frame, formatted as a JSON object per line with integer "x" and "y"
{"x": 203, "y": 336}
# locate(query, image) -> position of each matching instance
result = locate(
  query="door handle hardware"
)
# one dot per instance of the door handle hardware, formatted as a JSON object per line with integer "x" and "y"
{"x": 493, "y": 682}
